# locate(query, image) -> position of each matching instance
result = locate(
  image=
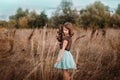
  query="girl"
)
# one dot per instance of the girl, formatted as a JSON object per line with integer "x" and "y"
{"x": 65, "y": 59}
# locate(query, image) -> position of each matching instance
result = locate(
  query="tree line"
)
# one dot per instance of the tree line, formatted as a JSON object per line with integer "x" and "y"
{"x": 95, "y": 15}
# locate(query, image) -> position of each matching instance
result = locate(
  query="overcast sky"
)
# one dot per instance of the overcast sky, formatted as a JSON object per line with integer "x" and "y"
{"x": 9, "y": 7}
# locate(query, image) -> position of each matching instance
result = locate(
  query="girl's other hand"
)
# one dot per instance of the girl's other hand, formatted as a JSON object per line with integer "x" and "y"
{"x": 58, "y": 60}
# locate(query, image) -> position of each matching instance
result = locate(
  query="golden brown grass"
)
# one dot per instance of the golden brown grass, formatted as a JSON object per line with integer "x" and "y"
{"x": 29, "y": 54}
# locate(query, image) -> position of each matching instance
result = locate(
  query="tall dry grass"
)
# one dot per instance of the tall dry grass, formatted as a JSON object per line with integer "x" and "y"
{"x": 30, "y": 54}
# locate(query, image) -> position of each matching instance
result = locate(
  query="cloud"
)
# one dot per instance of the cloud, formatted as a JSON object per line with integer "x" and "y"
{"x": 9, "y": 7}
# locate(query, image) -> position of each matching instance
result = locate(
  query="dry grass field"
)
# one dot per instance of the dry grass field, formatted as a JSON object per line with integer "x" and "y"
{"x": 29, "y": 54}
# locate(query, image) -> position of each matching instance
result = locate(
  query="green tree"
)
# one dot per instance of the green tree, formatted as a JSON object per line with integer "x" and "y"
{"x": 115, "y": 21}
{"x": 118, "y": 9}
{"x": 32, "y": 19}
{"x": 37, "y": 21}
{"x": 19, "y": 13}
{"x": 43, "y": 19}
{"x": 64, "y": 13}
{"x": 65, "y": 6}
{"x": 23, "y": 22}
{"x": 12, "y": 24}
{"x": 95, "y": 15}
{"x": 3, "y": 23}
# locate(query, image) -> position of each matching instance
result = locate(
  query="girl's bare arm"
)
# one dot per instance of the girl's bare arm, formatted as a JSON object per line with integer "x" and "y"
{"x": 65, "y": 42}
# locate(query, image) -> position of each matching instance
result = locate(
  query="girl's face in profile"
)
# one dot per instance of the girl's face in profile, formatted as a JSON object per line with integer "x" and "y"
{"x": 66, "y": 31}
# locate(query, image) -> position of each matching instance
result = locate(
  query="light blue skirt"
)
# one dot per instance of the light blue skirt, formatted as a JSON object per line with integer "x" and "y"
{"x": 67, "y": 61}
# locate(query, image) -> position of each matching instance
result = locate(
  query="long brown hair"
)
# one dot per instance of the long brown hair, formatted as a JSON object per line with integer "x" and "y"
{"x": 68, "y": 25}
{"x": 60, "y": 33}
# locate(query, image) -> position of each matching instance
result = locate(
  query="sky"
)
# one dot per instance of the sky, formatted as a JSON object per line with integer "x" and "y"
{"x": 9, "y": 7}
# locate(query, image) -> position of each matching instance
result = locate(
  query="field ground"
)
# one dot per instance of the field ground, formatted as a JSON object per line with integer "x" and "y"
{"x": 29, "y": 54}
